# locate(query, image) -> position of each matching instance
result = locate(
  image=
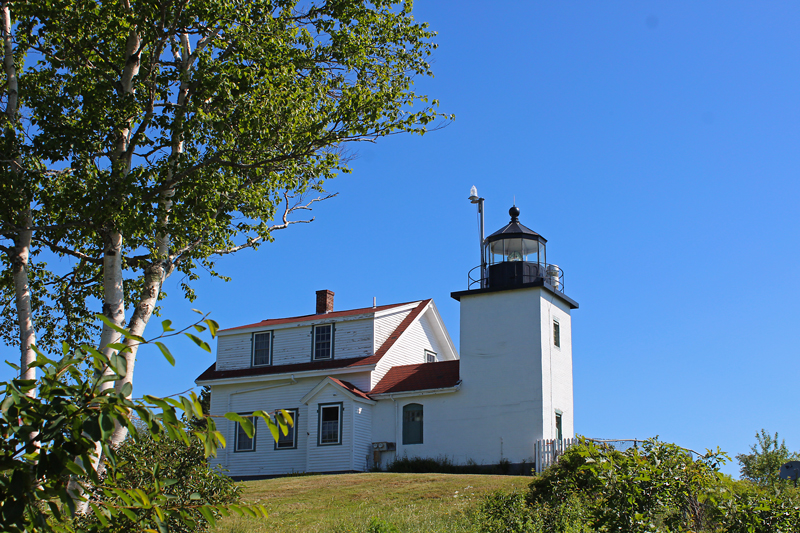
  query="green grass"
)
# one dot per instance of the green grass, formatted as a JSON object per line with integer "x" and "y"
{"x": 347, "y": 503}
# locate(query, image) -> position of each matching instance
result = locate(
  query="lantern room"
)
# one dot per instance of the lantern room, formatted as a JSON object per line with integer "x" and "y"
{"x": 515, "y": 255}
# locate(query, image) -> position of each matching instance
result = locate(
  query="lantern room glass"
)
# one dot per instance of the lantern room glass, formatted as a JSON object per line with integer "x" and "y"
{"x": 515, "y": 249}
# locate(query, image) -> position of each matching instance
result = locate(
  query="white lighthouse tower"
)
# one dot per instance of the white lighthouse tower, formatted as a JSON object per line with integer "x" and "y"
{"x": 516, "y": 340}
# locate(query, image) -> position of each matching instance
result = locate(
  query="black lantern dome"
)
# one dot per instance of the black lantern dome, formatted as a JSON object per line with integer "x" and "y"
{"x": 514, "y": 254}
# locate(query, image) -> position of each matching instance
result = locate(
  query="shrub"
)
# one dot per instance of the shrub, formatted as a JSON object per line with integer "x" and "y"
{"x": 444, "y": 465}
{"x": 507, "y": 513}
{"x": 191, "y": 482}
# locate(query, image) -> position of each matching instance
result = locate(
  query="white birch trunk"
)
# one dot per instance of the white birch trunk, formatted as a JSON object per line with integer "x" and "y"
{"x": 27, "y": 335}
{"x": 22, "y": 245}
{"x": 113, "y": 293}
{"x": 161, "y": 268}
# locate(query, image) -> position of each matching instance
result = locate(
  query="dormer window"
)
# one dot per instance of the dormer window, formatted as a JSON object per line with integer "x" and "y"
{"x": 262, "y": 349}
{"x": 323, "y": 342}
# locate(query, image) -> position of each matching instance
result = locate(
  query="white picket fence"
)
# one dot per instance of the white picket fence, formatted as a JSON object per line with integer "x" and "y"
{"x": 546, "y": 452}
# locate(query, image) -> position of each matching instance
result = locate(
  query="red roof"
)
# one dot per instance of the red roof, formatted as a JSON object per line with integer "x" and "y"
{"x": 424, "y": 376}
{"x": 391, "y": 339}
{"x": 352, "y": 388}
{"x": 323, "y": 316}
{"x": 212, "y": 373}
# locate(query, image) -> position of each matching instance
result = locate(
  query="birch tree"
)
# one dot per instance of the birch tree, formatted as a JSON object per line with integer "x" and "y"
{"x": 145, "y": 138}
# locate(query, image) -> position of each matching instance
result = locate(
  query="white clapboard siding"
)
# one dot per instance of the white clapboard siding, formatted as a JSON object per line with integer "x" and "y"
{"x": 361, "y": 380}
{"x": 408, "y": 350}
{"x": 430, "y": 333}
{"x": 291, "y": 345}
{"x": 385, "y": 324}
{"x": 362, "y": 435}
{"x": 330, "y": 458}
{"x": 352, "y": 338}
{"x": 265, "y": 460}
{"x": 233, "y": 351}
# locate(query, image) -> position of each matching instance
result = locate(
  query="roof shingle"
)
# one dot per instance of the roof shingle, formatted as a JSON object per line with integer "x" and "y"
{"x": 323, "y": 316}
{"x": 423, "y": 376}
{"x": 211, "y": 373}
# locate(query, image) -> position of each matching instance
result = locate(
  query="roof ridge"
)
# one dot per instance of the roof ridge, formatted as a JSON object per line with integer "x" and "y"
{"x": 395, "y": 335}
{"x": 419, "y": 376}
{"x": 304, "y": 318}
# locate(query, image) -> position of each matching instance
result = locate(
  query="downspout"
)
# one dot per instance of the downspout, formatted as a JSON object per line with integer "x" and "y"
{"x": 395, "y": 426}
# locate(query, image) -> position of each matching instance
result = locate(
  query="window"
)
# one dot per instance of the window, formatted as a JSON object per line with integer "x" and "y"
{"x": 243, "y": 442}
{"x": 430, "y": 357}
{"x": 288, "y": 441}
{"x": 556, "y": 334}
{"x": 262, "y": 348}
{"x": 559, "y": 431}
{"x": 323, "y": 342}
{"x": 412, "y": 423}
{"x": 330, "y": 427}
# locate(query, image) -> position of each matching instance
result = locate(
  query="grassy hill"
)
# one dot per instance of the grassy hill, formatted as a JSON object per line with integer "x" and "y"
{"x": 347, "y": 503}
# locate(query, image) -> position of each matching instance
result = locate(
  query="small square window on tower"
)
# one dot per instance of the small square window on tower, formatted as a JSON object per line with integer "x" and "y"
{"x": 559, "y": 427}
{"x": 556, "y": 334}
{"x": 430, "y": 357}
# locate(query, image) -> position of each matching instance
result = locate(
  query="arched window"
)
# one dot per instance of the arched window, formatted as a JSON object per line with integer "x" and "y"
{"x": 412, "y": 424}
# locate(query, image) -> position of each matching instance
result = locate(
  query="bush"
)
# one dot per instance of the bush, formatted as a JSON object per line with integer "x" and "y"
{"x": 191, "y": 481}
{"x": 506, "y": 512}
{"x": 444, "y": 465}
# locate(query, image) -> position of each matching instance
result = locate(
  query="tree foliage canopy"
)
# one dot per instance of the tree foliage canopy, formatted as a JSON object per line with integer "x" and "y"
{"x": 189, "y": 128}
{"x": 763, "y": 464}
{"x": 147, "y": 137}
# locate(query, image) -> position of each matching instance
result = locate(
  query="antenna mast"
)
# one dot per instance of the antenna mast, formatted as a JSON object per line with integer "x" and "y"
{"x": 475, "y": 199}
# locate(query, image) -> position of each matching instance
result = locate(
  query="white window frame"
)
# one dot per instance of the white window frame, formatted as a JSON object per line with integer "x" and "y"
{"x": 340, "y": 407}
{"x": 428, "y": 354}
{"x": 237, "y": 429}
{"x": 314, "y": 342}
{"x": 269, "y": 348}
{"x": 292, "y": 432}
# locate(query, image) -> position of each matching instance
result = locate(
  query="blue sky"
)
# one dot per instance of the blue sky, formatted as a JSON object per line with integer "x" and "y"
{"x": 654, "y": 144}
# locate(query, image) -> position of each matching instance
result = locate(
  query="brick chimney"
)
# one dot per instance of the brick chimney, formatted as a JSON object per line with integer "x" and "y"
{"x": 324, "y": 302}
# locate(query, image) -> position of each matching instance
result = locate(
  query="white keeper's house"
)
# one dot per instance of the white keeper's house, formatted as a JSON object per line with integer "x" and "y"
{"x": 368, "y": 385}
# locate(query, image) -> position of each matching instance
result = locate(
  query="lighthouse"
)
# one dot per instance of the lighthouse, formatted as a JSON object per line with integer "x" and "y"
{"x": 516, "y": 339}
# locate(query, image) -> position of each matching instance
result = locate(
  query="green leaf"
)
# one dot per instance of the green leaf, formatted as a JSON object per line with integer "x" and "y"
{"x": 273, "y": 428}
{"x": 75, "y": 468}
{"x": 118, "y": 364}
{"x": 208, "y": 515}
{"x": 101, "y": 517}
{"x": 166, "y": 325}
{"x": 199, "y": 328}
{"x": 198, "y": 341}
{"x": 213, "y": 327}
{"x": 122, "y": 331}
{"x": 106, "y": 426}
{"x": 166, "y": 352}
{"x": 287, "y": 416}
{"x": 245, "y": 423}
